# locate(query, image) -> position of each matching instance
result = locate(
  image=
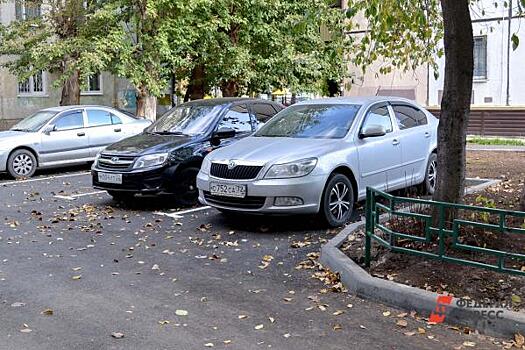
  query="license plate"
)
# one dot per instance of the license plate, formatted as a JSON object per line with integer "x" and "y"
{"x": 110, "y": 178}
{"x": 228, "y": 190}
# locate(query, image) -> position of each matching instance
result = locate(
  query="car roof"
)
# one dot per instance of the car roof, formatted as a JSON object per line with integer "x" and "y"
{"x": 357, "y": 100}
{"x": 66, "y": 108}
{"x": 226, "y": 100}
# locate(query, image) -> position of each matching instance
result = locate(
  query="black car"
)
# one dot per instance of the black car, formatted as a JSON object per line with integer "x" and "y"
{"x": 167, "y": 156}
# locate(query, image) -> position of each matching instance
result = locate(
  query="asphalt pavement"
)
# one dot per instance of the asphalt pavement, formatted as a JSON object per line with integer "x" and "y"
{"x": 79, "y": 271}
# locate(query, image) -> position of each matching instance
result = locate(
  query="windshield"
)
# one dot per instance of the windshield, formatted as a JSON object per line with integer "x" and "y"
{"x": 34, "y": 122}
{"x": 311, "y": 121}
{"x": 186, "y": 119}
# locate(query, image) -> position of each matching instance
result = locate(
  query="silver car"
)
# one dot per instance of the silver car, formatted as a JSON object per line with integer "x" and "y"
{"x": 61, "y": 136}
{"x": 319, "y": 156}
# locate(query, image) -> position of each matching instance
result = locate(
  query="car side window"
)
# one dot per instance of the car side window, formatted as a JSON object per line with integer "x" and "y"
{"x": 73, "y": 120}
{"x": 115, "y": 120}
{"x": 237, "y": 118}
{"x": 263, "y": 111}
{"x": 409, "y": 117}
{"x": 98, "y": 117}
{"x": 378, "y": 116}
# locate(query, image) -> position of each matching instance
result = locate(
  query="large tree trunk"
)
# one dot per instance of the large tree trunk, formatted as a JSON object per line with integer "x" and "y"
{"x": 71, "y": 90}
{"x": 455, "y": 105}
{"x": 146, "y": 104}
{"x": 197, "y": 86}
{"x": 230, "y": 88}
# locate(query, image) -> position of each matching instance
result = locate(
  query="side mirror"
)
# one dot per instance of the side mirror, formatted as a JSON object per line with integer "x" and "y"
{"x": 373, "y": 130}
{"x": 223, "y": 133}
{"x": 47, "y": 130}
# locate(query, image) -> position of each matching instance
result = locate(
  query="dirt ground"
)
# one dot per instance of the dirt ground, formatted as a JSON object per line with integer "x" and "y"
{"x": 463, "y": 281}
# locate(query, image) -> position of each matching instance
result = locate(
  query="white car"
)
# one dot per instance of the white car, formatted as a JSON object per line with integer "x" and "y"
{"x": 62, "y": 136}
{"x": 319, "y": 156}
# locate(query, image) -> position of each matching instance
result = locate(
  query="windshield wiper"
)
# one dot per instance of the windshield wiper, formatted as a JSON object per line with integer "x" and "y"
{"x": 168, "y": 132}
{"x": 18, "y": 129}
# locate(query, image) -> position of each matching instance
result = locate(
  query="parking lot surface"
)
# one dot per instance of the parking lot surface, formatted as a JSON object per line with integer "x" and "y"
{"x": 79, "y": 271}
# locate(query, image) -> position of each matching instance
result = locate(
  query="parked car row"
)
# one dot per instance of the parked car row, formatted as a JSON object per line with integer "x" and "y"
{"x": 248, "y": 155}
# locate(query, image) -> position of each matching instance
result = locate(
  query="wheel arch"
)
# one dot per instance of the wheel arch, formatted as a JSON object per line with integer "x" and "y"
{"x": 27, "y": 148}
{"x": 345, "y": 170}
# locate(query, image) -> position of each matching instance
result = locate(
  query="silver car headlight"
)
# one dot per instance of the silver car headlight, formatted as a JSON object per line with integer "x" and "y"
{"x": 150, "y": 160}
{"x": 206, "y": 166}
{"x": 298, "y": 168}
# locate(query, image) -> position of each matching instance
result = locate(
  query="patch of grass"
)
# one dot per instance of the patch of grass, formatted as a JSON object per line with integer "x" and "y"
{"x": 496, "y": 141}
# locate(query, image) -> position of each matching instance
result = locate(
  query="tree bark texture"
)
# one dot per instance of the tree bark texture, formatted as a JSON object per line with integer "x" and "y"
{"x": 146, "y": 104}
{"x": 455, "y": 105}
{"x": 71, "y": 90}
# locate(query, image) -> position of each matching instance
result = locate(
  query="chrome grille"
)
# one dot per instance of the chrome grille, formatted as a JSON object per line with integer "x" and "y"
{"x": 114, "y": 162}
{"x": 240, "y": 172}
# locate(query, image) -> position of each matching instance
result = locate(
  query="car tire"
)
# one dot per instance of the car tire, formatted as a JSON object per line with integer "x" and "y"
{"x": 121, "y": 196}
{"x": 21, "y": 164}
{"x": 337, "y": 203}
{"x": 428, "y": 187}
{"x": 186, "y": 186}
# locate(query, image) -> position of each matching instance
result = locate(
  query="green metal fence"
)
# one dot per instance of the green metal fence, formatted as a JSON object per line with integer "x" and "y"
{"x": 441, "y": 234}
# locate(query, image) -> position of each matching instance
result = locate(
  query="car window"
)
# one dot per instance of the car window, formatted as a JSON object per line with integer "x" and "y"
{"x": 73, "y": 120}
{"x": 263, "y": 111}
{"x": 98, "y": 117}
{"x": 115, "y": 120}
{"x": 409, "y": 117}
{"x": 378, "y": 116}
{"x": 326, "y": 121}
{"x": 237, "y": 118}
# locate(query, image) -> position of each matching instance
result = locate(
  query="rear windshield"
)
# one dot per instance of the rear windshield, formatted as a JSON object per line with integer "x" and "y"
{"x": 311, "y": 121}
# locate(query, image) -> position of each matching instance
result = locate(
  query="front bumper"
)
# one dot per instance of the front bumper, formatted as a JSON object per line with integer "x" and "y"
{"x": 145, "y": 182}
{"x": 3, "y": 160}
{"x": 261, "y": 194}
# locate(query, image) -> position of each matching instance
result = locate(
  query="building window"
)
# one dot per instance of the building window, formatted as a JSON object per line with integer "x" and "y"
{"x": 27, "y": 9}
{"x": 480, "y": 57}
{"x": 93, "y": 85}
{"x": 34, "y": 85}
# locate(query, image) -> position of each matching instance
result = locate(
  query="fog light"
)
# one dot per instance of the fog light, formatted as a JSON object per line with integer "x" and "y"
{"x": 288, "y": 201}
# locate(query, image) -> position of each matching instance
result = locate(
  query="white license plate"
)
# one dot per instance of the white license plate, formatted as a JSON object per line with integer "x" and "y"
{"x": 227, "y": 190}
{"x": 110, "y": 178}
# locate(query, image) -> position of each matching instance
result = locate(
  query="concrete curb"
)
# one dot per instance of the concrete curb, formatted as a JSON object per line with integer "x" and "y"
{"x": 362, "y": 284}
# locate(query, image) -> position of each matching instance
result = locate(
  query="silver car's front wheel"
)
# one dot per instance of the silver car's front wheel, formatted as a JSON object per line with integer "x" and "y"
{"x": 338, "y": 201}
{"x": 21, "y": 164}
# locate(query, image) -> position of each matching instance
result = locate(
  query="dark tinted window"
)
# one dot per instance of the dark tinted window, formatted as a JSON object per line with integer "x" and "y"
{"x": 115, "y": 119}
{"x": 73, "y": 120}
{"x": 263, "y": 111}
{"x": 237, "y": 118}
{"x": 379, "y": 116}
{"x": 409, "y": 117}
{"x": 98, "y": 117}
{"x": 311, "y": 121}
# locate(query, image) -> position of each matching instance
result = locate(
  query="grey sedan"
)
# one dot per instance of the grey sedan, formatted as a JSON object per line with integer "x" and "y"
{"x": 62, "y": 136}
{"x": 320, "y": 156}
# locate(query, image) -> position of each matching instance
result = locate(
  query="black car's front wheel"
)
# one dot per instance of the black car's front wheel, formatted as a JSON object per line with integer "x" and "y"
{"x": 21, "y": 164}
{"x": 186, "y": 186}
{"x": 338, "y": 201}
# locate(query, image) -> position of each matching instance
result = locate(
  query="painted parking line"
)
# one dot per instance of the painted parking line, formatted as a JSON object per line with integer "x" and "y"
{"x": 16, "y": 182}
{"x": 75, "y": 196}
{"x": 180, "y": 214}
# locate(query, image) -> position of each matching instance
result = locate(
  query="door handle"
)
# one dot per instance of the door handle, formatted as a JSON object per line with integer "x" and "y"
{"x": 395, "y": 142}
{"x": 80, "y": 134}
{"x": 117, "y": 130}
{"x": 427, "y": 134}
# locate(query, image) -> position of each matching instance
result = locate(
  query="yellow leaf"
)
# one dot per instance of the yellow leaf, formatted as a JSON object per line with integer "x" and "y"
{"x": 386, "y": 313}
{"x": 47, "y": 312}
{"x": 402, "y": 323}
{"x": 77, "y": 277}
{"x": 519, "y": 339}
{"x": 421, "y": 330}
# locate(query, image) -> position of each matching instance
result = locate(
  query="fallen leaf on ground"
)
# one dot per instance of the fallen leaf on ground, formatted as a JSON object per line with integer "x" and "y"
{"x": 402, "y": 323}
{"x": 259, "y": 326}
{"x": 386, "y": 313}
{"x": 117, "y": 335}
{"x": 47, "y": 312}
{"x": 181, "y": 313}
{"x": 469, "y": 344}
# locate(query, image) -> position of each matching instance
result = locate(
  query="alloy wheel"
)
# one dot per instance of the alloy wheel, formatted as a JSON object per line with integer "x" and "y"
{"x": 339, "y": 202}
{"x": 432, "y": 175}
{"x": 22, "y": 164}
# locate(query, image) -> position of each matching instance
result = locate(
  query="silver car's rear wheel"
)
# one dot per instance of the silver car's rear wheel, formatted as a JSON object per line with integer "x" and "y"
{"x": 338, "y": 201}
{"x": 429, "y": 186}
{"x": 21, "y": 164}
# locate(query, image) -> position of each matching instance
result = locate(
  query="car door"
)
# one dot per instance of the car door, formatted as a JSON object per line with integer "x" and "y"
{"x": 104, "y": 128}
{"x": 379, "y": 157}
{"x": 68, "y": 141}
{"x": 415, "y": 136}
{"x": 238, "y": 118}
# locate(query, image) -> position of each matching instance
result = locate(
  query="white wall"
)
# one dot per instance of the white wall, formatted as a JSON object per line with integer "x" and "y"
{"x": 494, "y": 25}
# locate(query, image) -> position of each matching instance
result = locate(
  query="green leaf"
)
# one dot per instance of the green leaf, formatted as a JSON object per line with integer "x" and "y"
{"x": 515, "y": 41}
